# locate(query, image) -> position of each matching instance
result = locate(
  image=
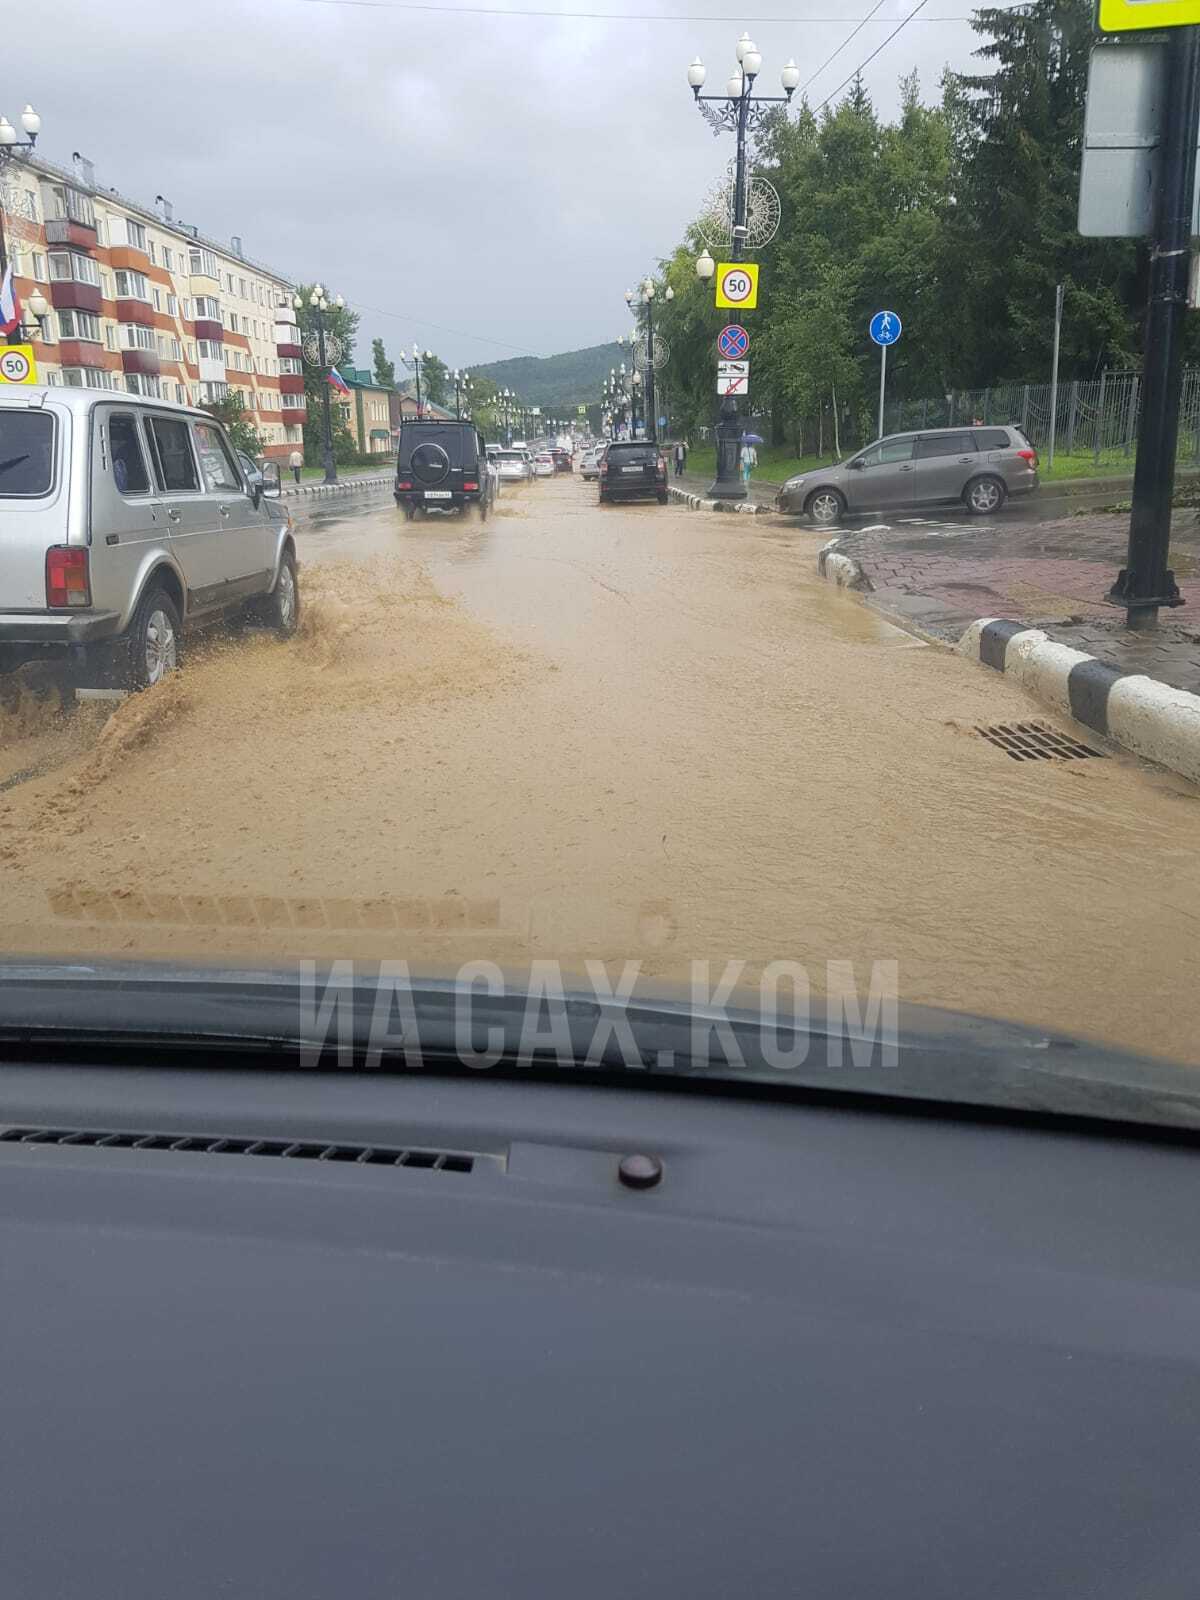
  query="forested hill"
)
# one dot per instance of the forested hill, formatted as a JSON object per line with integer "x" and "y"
{"x": 571, "y": 379}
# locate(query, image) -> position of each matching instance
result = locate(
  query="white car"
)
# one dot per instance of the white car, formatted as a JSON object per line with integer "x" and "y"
{"x": 543, "y": 465}
{"x": 513, "y": 466}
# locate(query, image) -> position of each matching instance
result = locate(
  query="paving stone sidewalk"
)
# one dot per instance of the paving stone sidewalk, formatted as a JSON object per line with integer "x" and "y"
{"x": 1050, "y": 574}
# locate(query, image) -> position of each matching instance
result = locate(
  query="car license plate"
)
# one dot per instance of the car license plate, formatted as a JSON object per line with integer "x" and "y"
{"x": 638, "y": 470}
{"x": 438, "y": 494}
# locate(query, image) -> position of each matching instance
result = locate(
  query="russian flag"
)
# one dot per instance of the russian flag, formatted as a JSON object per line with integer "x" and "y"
{"x": 338, "y": 382}
{"x": 10, "y": 311}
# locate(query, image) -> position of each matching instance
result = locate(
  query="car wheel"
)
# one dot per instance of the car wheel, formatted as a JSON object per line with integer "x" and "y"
{"x": 281, "y": 609}
{"x": 825, "y": 507}
{"x": 984, "y": 495}
{"x": 153, "y": 640}
{"x": 662, "y": 499}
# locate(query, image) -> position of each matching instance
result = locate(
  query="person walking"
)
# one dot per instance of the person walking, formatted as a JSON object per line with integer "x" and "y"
{"x": 680, "y": 457}
{"x": 749, "y": 460}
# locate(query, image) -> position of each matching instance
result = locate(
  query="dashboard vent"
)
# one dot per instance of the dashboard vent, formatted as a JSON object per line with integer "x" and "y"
{"x": 375, "y": 1155}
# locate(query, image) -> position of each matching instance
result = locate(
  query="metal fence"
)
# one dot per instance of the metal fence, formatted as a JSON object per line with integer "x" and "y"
{"x": 1095, "y": 417}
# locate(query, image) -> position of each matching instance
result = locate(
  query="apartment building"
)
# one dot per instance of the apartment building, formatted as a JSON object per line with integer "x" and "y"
{"x": 147, "y": 303}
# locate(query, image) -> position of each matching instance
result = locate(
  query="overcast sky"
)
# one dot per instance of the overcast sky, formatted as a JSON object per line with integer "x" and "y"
{"x": 488, "y": 185}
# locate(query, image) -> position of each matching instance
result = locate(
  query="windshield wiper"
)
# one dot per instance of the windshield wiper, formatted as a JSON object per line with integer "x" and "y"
{"x": 286, "y": 1018}
{"x": 13, "y": 461}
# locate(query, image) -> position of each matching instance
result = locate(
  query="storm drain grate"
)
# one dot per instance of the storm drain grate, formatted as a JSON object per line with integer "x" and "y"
{"x": 296, "y": 1149}
{"x": 1036, "y": 741}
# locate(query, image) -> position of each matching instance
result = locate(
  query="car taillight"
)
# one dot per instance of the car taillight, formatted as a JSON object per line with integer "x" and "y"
{"x": 67, "y": 579}
{"x": 470, "y": 486}
{"x": 404, "y": 483}
{"x": 1030, "y": 456}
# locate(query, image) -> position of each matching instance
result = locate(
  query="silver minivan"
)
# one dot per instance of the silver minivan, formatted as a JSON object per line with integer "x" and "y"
{"x": 126, "y": 522}
{"x": 976, "y": 467}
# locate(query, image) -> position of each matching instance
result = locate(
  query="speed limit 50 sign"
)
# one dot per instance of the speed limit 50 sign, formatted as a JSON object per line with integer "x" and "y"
{"x": 737, "y": 284}
{"x": 17, "y": 364}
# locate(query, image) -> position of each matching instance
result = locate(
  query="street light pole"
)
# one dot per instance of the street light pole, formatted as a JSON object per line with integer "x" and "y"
{"x": 1145, "y": 582}
{"x": 31, "y": 123}
{"x": 320, "y": 305}
{"x": 737, "y": 111}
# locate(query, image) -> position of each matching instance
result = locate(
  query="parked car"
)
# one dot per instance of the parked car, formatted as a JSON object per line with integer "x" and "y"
{"x": 633, "y": 469}
{"x": 512, "y": 466}
{"x": 125, "y": 524}
{"x": 589, "y": 467}
{"x": 442, "y": 465}
{"x": 975, "y": 467}
{"x": 251, "y": 471}
{"x": 543, "y": 464}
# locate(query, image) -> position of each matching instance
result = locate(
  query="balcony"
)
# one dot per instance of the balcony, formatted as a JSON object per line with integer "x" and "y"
{"x": 207, "y": 328}
{"x": 135, "y": 311}
{"x": 71, "y": 295}
{"x": 204, "y": 283}
{"x": 144, "y": 361}
{"x": 63, "y": 230}
{"x": 291, "y": 383}
{"x": 128, "y": 258}
{"x": 80, "y": 353}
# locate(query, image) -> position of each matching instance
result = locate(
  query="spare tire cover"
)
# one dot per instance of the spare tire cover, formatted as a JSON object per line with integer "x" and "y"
{"x": 430, "y": 462}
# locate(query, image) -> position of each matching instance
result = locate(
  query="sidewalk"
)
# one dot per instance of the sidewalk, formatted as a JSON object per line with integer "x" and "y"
{"x": 942, "y": 576}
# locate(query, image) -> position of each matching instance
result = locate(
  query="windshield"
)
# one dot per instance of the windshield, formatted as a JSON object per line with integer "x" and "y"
{"x": 831, "y": 639}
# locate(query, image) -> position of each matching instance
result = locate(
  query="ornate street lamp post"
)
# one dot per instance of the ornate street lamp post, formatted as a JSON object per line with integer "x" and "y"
{"x": 462, "y": 390}
{"x": 738, "y": 111}
{"x": 649, "y": 353}
{"x": 325, "y": 351}
{"x": 10, "y": 146}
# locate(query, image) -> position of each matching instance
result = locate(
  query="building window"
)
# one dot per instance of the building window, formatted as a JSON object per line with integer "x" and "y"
{"x": 87, "y": 378}
{"x": 172, "y": 306}
{"x": 135, "y": 234}
{"x": 140, "y": 383}
{"x": 76, "y": 207}
{"x": 132, "y": 286}
{"x": 242, "y": 287}
{"x": 208, "y": 308}
{"x": 39, "y": 266}
{"x": 152, "y": 250}
{"x": 106, "y": 285}
{"x": 168, "y": 258}
{"x": 204, "y": 264}
{"x": 191, "y": 354}
{"x": 68, "y": 265}
{"x": 31, "y": 204}
{"x": 79, "y": 325}
{"x": 210, "y": 350}
{"x": 181, "y": 395}
{"x": 176, "y": 353}
{"x": 135, "y": 337}
{"x": 110, "y": 336}
{"x": 157, "y": 300}
{"x": 213, "y": 391}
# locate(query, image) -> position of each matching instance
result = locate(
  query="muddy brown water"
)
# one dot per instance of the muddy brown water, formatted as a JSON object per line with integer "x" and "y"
{"x": 629, "y": 733}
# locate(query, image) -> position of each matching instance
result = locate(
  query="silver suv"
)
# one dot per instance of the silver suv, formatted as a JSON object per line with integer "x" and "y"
{"x": 975, "y": 467}
{"x": 125, "y": 521}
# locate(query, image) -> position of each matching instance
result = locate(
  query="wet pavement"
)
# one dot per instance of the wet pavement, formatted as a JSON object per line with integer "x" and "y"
{"x": 625, "y": 733}
{"x": 942, "y": 571}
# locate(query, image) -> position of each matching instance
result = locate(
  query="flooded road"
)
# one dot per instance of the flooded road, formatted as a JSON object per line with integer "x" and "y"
{"x": 630, "y": 733}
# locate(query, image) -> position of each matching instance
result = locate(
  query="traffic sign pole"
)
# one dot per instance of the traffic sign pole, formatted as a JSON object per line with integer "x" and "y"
{"x": 1145, "y": 582}
{"x": 882, "y": 385}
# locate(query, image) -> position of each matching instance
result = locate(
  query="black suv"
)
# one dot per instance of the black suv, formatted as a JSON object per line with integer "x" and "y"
{"x": 442, "y": 464}
{"x": 633, "y": 467}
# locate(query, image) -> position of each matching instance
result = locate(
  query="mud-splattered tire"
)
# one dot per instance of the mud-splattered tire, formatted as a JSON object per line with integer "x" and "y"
{"x": 662, "y": 499}
{"x": 152, "y": 646}
{"x": 985, "y": 495}
{"x": 281, "y": 608}
{"x": 826, "y": 507}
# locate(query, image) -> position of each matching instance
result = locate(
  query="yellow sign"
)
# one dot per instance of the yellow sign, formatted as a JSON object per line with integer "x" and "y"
{"x": 17, "y": 364}
{"x": 1145, "y": 16}
{"x": 737, "y": 283}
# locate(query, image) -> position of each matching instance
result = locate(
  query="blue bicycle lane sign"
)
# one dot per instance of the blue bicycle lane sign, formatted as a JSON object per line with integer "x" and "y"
{"x": 886, "y": 327}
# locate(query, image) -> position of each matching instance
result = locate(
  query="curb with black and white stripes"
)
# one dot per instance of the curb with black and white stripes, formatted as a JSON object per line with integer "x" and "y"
{"x": 1148, "y": 718}
{"x": 699, "y": 502}
{"x": 342, "y": 486}
{"x": 845, "y": 571}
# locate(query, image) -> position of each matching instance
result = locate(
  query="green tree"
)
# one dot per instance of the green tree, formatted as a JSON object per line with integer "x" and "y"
{"x": 435, "y": 380}
{"x": 232, "y": 414}
{"x": 385, "y": 370}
